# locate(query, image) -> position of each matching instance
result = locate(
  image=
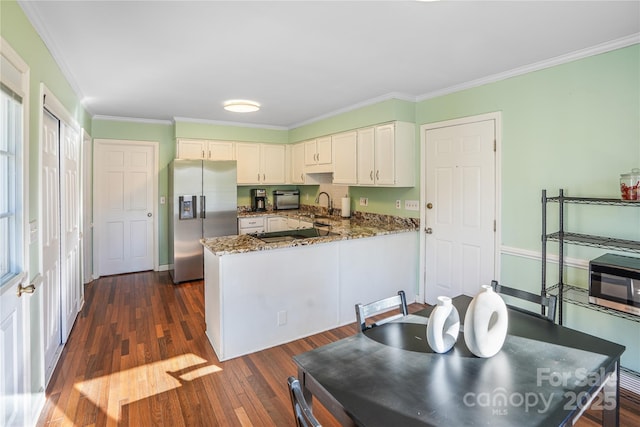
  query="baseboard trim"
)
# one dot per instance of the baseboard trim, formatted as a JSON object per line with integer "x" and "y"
{"x": 537, "y": 255}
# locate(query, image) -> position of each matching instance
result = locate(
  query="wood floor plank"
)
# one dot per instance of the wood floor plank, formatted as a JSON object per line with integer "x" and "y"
{"x": 138, "y": 356}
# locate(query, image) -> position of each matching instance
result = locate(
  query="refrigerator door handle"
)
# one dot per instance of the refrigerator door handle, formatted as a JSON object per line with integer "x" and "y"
{"x": 203, "y": 206}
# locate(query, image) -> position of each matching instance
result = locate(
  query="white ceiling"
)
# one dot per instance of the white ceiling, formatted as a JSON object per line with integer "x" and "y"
{"x": 302, "y": 60}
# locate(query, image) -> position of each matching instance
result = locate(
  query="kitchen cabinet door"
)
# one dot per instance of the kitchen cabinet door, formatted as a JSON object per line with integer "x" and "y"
{"x": 277, "y": 223}
{"x": 203, "y": 149}
{"x": 310, "y": 153}
{"x": 273, "y": 163}
{"x": 248, "y": 158}
{"x": 260, "y": 163}
{"x": 220, "y": 150}
{"x": 366, "y": 156}
{"x": 345, "y": 152}
{"x": 297, "y": 163}
{"x": 254, "y": 224}
{"x": 385, "y": 155}
{"x": 191, "y": 149}
{"x": 318, "y": 151}
{"x": 324, "y": 150}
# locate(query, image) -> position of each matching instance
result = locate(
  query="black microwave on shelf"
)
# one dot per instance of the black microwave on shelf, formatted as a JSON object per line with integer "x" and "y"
{"x": 614, "y": 282}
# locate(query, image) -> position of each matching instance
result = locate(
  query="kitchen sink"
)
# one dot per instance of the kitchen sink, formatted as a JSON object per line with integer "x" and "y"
{"x": 290, "y": 235}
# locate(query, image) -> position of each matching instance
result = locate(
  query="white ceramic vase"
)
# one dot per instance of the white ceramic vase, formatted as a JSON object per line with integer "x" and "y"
{"x": 443, "y": 326}
{"x": 485, "y": 323}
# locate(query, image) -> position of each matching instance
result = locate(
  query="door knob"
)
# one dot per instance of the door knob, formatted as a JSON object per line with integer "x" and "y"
{"x": 428, "y": 230}
{"x": 429, "y": 205}
{"x": 149, "y": 214}
{"x": 25, "y": 289}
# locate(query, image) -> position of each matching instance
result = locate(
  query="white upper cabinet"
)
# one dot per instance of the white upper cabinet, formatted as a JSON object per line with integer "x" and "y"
{"x": 366, "y": 156}
{"x": 297, "y": 163}
{"x": 273, "y": 163}
{"x": 204, "y": 149}
{"x": 345, "y": 152}
{"x": 317, "y": 155}
{"x": 386, "y": 155}
{"x": 260, "y": 163}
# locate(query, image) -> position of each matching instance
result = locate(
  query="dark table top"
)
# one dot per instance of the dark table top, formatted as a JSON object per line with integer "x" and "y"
{"x": 389, "y": 376}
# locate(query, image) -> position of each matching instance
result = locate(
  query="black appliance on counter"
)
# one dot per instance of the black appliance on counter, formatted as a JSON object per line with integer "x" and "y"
{"x": 258, "y": 199}
{"x": 614, "y": 282}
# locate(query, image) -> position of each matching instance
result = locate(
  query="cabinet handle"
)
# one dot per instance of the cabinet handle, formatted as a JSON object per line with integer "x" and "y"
{"x": 371, "y": 175}
{"x": 264, "y": 177}
{"x": 209, "y": 153}
{"x": 258, "y": 177}
{"x": 377, "y": 175}
{"x": 301, "y": 177}
{"x": 203, "y": 154}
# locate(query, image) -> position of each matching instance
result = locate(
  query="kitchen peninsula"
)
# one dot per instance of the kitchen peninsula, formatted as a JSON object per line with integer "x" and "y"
{"x": 261, "y": 294}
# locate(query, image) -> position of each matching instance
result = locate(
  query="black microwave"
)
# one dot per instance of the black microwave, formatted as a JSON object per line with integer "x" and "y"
{"x": 614, "y": 282}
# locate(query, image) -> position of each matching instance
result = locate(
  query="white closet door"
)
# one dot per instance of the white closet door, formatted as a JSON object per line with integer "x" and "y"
{"x": 51, "y": 268}
{"x": 71, "y": 281}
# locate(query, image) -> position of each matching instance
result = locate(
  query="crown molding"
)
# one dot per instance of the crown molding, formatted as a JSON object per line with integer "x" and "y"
{"x": 132, "y": 120}
{"x": 29, "y": 9}
{"x": 228, "y": 123}
{"x": 393, "y": 95}
{"x": 537, "y": 66}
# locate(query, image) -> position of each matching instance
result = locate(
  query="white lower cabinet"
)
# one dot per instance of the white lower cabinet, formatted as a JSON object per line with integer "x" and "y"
{"x": 298, "y": 224}
{"x": 277, "y": 223}
{"x": 315, "y": 292}
{"x": 253, "y": 224}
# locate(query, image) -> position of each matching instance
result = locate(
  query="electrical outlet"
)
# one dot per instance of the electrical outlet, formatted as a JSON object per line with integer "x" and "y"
{"x": 282, "y": 318}
{"x": 364, "y": 201}
{"x": 398, "y": 204}
{"x": 412, "y": 205}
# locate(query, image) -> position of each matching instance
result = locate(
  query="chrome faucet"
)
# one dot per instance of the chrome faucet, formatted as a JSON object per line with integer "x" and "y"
{"x": 329, "y": 206}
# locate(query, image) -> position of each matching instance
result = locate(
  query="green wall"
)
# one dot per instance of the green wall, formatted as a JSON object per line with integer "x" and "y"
{"x": 575, "y": 126}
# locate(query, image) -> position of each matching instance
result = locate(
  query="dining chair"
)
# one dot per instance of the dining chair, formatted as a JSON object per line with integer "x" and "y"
{"x": 301, "y": 409}
{"x": 548, "y": 302}
{"x": 365, "y": 311}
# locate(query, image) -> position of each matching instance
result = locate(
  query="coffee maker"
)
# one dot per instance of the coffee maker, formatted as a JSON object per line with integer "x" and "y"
{"x": 258, "y": 199}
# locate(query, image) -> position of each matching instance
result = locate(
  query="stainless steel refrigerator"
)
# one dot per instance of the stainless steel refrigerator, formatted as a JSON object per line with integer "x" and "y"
{"x": 202, "y": 203}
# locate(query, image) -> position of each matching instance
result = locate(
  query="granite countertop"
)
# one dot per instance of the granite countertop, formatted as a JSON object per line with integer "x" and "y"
{"x": 357, "y": 227}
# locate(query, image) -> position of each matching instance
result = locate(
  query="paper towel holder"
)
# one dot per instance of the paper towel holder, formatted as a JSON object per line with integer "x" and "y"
{"x": 345, "y": 212}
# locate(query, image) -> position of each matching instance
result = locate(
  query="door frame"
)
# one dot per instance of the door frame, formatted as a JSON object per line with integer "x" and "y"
{"x": 97, "y": 215}
{"x": 88, "y": 268}
{"x": 497, "y": 118}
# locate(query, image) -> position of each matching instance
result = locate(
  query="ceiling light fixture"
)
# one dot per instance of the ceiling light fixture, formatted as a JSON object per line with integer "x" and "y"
{"x": 241, "y": 106}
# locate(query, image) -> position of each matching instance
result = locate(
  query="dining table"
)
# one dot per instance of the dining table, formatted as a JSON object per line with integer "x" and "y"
{"x": 544, "y": 375}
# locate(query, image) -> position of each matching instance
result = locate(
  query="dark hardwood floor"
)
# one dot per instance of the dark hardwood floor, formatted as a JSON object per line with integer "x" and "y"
{"x": 138, "y": 356}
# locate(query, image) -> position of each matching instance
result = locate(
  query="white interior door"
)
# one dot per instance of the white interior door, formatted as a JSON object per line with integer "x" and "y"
{"x": 460, "y": 213}
{"x": 51, "y": 265}
{"x": 125, "y": 174}
{"x": 70, "y": 198}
